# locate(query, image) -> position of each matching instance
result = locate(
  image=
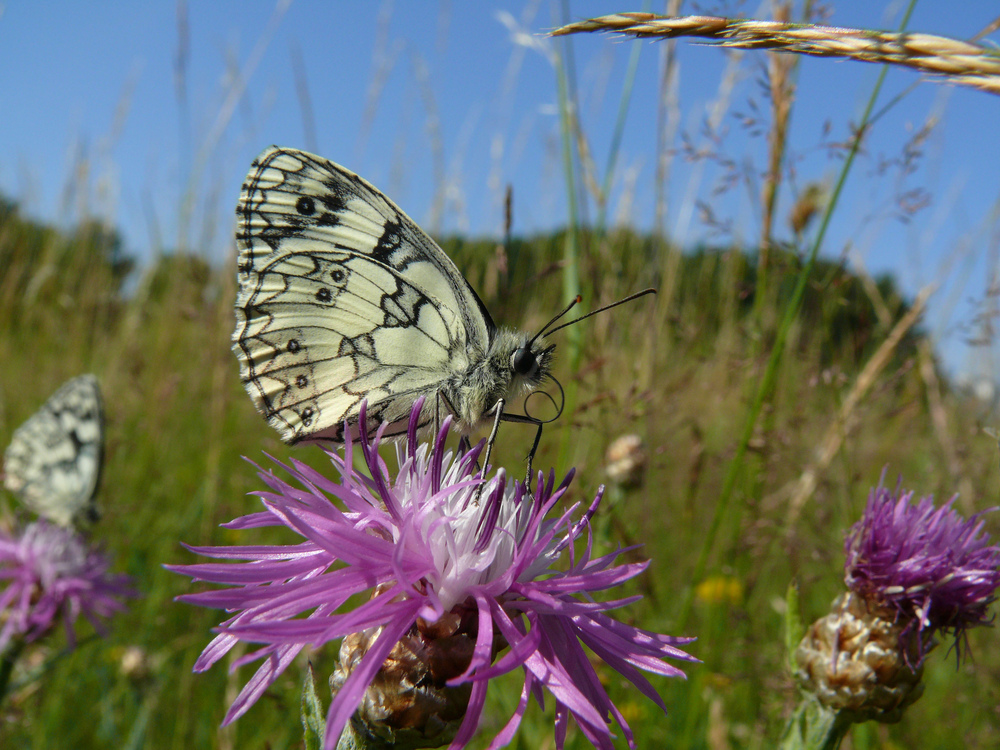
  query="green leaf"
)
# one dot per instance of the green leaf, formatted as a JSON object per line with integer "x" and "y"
{"x": 794, "y": 629}
{"x": 313, "y": 713}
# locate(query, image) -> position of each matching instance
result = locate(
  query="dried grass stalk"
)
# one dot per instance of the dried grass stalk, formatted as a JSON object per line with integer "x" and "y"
{"x": 801, "y": 490}
{"x": 960, "y": 62}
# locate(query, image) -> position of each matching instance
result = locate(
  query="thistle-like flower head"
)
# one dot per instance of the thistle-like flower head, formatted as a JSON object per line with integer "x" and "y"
{"x": 933, "y": 568}
{"x": 474, "y": 574}
{"x": 48, "y": 573}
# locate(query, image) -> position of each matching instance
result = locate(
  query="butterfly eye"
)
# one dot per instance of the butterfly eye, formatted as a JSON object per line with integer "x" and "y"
{"x": 523, "y": 361}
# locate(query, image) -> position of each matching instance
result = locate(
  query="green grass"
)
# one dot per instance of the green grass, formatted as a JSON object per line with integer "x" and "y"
{"x": 179, "y": 422}
{"x": 681, "y": 371}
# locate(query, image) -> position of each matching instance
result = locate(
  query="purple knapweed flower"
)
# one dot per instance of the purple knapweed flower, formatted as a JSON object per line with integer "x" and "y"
{"x": 432, "y": 550}
{"x": 933, "y": 568}
{"x": 48, "y": 573}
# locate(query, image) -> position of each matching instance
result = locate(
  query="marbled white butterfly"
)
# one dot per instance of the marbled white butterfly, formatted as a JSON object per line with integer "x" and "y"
{"x": 343, "y": 298}
{"x": 53, "y": 462}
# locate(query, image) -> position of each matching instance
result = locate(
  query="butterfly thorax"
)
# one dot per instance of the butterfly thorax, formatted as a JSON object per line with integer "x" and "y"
{"x": 501, "y": 373}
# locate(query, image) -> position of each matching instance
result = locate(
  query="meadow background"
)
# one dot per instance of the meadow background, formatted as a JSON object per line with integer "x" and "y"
{"x": 124, "y": 266}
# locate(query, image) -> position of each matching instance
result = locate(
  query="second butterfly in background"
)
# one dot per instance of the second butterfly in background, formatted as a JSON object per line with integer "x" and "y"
{"x": 53, "y": 462}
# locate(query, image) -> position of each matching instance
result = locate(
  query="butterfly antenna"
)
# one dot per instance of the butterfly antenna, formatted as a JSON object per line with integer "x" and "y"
{"x": 576, "y": 301}
{"x": 631, "y": 297}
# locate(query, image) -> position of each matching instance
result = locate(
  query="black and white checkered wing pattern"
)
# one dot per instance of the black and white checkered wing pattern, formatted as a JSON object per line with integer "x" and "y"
{"x": 342, "y": 298}
{"x": 53, "y": 463}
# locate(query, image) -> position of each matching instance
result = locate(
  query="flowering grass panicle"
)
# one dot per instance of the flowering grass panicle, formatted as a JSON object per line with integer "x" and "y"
{"x": 441, "y": 553}
{"x": 49, "y": 573}
{"x": 935, "y": 569}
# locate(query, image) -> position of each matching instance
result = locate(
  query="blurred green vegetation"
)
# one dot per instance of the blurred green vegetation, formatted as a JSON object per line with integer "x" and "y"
{"x": 678, "y": 370}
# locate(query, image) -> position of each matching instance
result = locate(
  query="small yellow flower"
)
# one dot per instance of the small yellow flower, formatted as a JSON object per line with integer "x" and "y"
{"x": 720, "y": 590}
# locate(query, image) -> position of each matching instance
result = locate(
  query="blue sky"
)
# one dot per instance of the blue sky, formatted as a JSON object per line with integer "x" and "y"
{"x": 442, "y": 104}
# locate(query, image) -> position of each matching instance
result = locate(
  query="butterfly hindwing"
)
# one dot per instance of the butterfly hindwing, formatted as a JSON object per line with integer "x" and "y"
{"x": 342, "y": 299}
{"x": 53, "y": 463}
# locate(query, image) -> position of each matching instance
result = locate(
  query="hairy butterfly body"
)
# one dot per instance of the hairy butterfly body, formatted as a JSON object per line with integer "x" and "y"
{"x": 343, "y": 299}
{"x": 53, "y": 463}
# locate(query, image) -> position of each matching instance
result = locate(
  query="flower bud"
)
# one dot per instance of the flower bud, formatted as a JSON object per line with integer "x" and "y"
{"x": 408, "y": 704}
{"x": 626, "y": 461}
{"x": 855, "y": 659}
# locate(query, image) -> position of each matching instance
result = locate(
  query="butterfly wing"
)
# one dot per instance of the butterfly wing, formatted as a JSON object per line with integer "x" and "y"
{"x": 53, "y": 463}
{"x": 342, "y": 299}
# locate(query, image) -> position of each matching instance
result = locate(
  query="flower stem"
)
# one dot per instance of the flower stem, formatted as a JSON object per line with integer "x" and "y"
{"x": 7, "y": 661}
{"x": 814, "y": 727}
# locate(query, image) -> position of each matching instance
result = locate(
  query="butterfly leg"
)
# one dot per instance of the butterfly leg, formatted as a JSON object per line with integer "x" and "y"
{"x": 498, "y": 408}
{"x": 437, "y": 413}
{"x": 502, "y": 416}
{"x": 523, "y": 419}
{"x": 531, "y": 456}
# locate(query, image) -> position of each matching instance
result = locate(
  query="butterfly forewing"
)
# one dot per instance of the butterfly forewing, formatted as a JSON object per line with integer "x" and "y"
{"x": 343, "y": 299}
{"x": 53, "y": 463}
